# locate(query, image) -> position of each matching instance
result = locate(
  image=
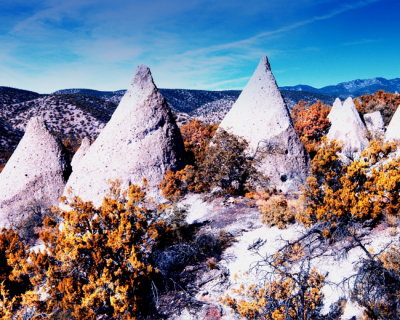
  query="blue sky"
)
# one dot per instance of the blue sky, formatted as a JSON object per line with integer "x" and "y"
{"x": 47, "y": 45}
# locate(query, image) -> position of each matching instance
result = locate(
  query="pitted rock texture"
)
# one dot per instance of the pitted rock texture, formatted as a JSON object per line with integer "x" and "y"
{"x": 393, "y": 128}
{"x": 348, "y": 128}
{"x": 141, "y": 140}
{"x": 261, "y": 116}
{"x": 35, "y": 175}
{"x": 375, "y": 124}
{"x": 80, "y": 153}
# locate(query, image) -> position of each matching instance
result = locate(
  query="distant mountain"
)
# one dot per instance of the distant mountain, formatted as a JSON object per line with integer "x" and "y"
{"x": 352, "y": 88}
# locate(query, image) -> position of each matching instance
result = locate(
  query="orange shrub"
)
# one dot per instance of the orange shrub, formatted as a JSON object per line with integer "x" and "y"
{"x": 311, "y": 123}
{"x": 196, "y": 136}
{"x": 367, "y": 188}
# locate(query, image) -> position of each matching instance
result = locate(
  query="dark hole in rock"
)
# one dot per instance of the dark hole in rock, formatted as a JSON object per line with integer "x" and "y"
{"x": 283, "y": 178}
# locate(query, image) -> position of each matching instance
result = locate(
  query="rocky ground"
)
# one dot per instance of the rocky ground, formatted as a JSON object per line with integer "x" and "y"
{"x": 248, "y": 243}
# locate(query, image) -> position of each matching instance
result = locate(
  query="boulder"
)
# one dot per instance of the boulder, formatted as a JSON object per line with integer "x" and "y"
{"x": 141, "y": 140}
{"x": 261, "y": 116}
{"x": 34, "y": 177}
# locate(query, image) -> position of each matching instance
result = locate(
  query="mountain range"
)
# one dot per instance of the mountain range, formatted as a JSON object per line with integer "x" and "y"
{"x": 352, "y": 88}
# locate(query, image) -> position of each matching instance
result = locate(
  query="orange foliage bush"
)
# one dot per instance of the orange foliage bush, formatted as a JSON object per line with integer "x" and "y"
{"x": 14, "y": 274}
{"x": 277, "y": 210}
{"x": 96, "y": 260}
{"x": 366, "y": 188}
{"x": 311, "y": 123}
{"x": 382, "y": 101}
{"x": 196, "y": 136}
{"x": 225, "y": 165}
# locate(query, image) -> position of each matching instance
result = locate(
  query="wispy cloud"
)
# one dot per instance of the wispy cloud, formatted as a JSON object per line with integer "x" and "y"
{"x": 187, "y": 44}
{"x": 359, "y": 42}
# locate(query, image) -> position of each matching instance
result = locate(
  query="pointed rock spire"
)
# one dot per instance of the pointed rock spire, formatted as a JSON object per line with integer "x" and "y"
{"x": 261, "y": 116}
{"x": 375, "y": 125}
{"x": 335, "y": 111}
{"x": 393, "y": 128}
{"x": 141, "y": 140}
{"x": 33, "y": 176}
{"x": 80, "y": 153}
{"x": 348, "y": 128}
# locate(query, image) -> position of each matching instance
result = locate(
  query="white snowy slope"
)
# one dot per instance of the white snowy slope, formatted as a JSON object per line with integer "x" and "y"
{"x": 34, "y": 175}
{"x": 141, "y": 140}
{"x": 261, "y": 116}
{"x": 348, "y": 128}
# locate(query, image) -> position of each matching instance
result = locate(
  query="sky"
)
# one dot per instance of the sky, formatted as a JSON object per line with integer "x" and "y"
{"x": 46, "y": 45}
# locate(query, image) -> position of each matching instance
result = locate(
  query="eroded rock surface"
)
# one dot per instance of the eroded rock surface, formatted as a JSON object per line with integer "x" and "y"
{"x": 261, "y": 116}
{"x": 375, "y": 124}
{"x": 141, "y": 140}
{"x": 348, "y": 128}
{"x": 34, "y": 177}
{"x": 393, "y": 128}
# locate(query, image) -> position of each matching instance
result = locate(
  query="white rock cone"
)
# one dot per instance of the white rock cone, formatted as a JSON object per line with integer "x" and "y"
{"x": 336, "y": 110}
{"x": 141, "y": 140}
{"x": 34, "y": 176}
{"x": 375, "y": 125}
{"x": 348, "y": 128}
{"x": 261, "y": 116}
{"x": 80, "y": 153}
{"x": 393, "y": 128}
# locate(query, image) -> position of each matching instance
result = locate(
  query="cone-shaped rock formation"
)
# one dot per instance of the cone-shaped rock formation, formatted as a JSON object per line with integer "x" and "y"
{"x": 80, "y": 153}
{"x": 348, "y": 128}
{"x": 375, "y": 124}
{"x": 336, "y": 111}
{"x": 261, "y": 116}
{"x": 141, "y": 140}
{"x": 393, "y": 128}
{"x": 34, "y": 177}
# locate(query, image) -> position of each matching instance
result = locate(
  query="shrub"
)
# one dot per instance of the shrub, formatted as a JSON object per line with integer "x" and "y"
{"x": 97, "y": 260}
{"x": 14, "y": 276}
{"x": 285, "y": 293}
{"x": 382, "y": 101}
{"x": 377, "y": 285}
{"x": 365, "y": 189}
{"x": 311, "y": 123}
{"x": 196, "y": 137}
{"x": 277, "y": 211}
{"x": 225, "y": 166}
